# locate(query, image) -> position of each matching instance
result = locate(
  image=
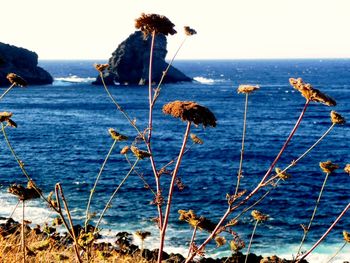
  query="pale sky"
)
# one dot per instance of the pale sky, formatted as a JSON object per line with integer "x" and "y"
{"x": 227, "y": 29}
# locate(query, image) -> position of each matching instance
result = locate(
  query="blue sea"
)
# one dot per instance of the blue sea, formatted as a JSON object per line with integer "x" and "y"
{"x": 62, "y": 136}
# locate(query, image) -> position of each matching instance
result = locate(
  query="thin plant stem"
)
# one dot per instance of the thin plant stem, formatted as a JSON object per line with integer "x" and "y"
{"x": 239, "y": 175}
{"x": 325, "y": 234}
{"x": 114, "y": 193}
{"x": 171, "y": 189}
{"x": 256, "y": 189}
{"x": 7, "y": 91}
{"x": 14, "y": 153}
{"x": 192, "y": 239}
{"x": 87, "y": 218}
{"x": 150, "y": 127}
{"x": 59, "y": 187}
{"x": 119, "y": 107}
{"x": 251, "y": 240}
{"x": 306, "y": 231}
{"x": 13, "y": 211}
{"x": 23, "y": 234}
{"x": 294, "y": 162}
{"x": 337, "y": 252}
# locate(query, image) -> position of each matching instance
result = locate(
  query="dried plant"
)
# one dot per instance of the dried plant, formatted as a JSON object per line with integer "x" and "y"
{"x": 149, "y": 23}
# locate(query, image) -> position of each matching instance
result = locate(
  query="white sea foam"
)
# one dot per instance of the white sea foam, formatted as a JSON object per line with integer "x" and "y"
{"x": 73, "y": 79}
{"x": 204, "y": 80}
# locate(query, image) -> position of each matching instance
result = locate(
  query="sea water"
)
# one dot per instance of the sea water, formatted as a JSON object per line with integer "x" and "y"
{"x": 62, "y": 136}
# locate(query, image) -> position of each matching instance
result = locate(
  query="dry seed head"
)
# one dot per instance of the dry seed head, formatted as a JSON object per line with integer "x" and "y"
{"x": 220, "y": 241}
{"x": 310, "y": 93}
{"x": 116, "y": 136}
{"x": 11, "y": 123}
{"x": 142, "y": 234}
{"x": 125, "y": 150}
{"x": 5, "y": 116}
{"x": 328, "y": 166}
{"x": 17, "y": 80}
{"x": 192, "y": 219}
{"x": 247, "y": 88}
{"x": 281, "y": 174}
{"x": 196, "y": 139}
{"x": 346, "y": 236}
{"x": 101, "y": 67}
{"x": 236, "y": 245}
{"x": 347, "y": 168}
{"x": 190, "y": 111}
{"x": 336, "y": 118}
{"x": 24, "y": 193}
{"x": 139, "y": 153}
{"x": 258, "y": 216}
{"x": 148, "y": 23}
{"x": 189, "y": 31}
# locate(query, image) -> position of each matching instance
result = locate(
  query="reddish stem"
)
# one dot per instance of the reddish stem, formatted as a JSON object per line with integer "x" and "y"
{"x": 171, "y": 190}
{"x": 325, "y": 234}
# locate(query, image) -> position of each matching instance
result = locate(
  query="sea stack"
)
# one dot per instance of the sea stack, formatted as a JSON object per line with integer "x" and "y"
{"x": 130, "y": 62}
{"x": 22, "y": 62}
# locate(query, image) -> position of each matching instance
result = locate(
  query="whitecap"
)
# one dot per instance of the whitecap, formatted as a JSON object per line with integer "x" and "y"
{"x": 204, "y": 80}
{"x": 73, "y": 79}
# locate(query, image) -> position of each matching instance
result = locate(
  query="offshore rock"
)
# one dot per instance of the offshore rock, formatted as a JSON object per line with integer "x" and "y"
{"x": 22, "y": 62}
{"x": 130, "y": 62}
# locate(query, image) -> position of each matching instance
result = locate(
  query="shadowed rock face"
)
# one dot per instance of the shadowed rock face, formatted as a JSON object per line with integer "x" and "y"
{"x": 22, "y": 62}
{"x": 130, "y": 62}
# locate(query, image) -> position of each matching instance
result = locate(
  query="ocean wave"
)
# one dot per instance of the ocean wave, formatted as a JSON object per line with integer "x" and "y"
{"x": 204, "y": 80}
{"x": 73, "y": 79}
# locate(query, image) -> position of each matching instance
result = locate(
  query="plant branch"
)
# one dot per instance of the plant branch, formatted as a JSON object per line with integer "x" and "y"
{"x": 251, "y": 240}
{"x": 7, "y": 91}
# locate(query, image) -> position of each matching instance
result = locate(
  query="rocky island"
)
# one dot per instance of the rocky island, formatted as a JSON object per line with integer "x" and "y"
{"x": 22, "y": 62}
{"x": 130, "y": 62}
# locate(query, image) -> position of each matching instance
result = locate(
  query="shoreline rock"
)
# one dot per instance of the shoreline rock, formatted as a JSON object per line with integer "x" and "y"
{"x": 22, "y": 62}
{"x": 130, "y": 62}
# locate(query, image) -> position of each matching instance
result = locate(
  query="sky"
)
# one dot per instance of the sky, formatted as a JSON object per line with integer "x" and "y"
{"x": 227, "y": 29}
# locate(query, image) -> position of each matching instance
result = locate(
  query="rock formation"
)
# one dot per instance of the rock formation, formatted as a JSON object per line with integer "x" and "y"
{"x": 130, "y": 62}
{"x": 22, "y": 62}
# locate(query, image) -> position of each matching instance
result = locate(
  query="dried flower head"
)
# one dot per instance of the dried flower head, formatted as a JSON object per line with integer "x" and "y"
{"x": 17, "y": 80}
{"x": 101, "y": 67}
{"x": 237, "y": 245}
{"x": 148, "y": 23}
{"x": 258, "y": 216}
{"x": 189, "y": 31}
{"x": 25, "y": 193}
{"x": 190, "y": 111}
{"x": 328, "y": 166}
{"x": 142, "y": 234}
{"x": 116, "y": 136}
{"x": 336, "y": 118}
{"x": 6, "y": 116}
{"x": 247, "y": 88}
{"x": 346, "y": 236}
{"x": 196, "y": 139}
{"x": 281, "y": 174}
{"x": 85, "y": 239}
{"x": 347, "y": 168}
{"x": 139, "y": 153}
{"x": 220, "y": 241}
{"x": 310, "y": 93}
{"x": 192, "y": 219}
{"x": 125, "y": 150}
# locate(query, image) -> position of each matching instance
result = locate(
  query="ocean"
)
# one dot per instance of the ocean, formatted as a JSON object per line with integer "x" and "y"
{"x": 62, "y": 136}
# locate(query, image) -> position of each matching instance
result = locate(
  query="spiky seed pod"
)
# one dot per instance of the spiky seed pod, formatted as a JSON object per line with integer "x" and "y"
{"x": 247, "y": 88}
{"x": 189, "y": 31}
{"x": 125, "y": 150}
{"x": 139, "y": 153}
{"x": 17, "y": 80}
{"x": 196, "y": 139}
{"x": 347, "y": 168}
{"x": 220, "y": 241}
{"x": 346, "y": 236}
{"x": 190, "y": 111}
{"x": 116, "y": 136}
{"x": 142, "y": 234}
{"x": 25, "y": 193}
{"x": 336, "y": 118}
{"x": 101, "y": 67}
{"x": 310, "y": 93}
{"x": 258, "y": 216}
{"x": 328, "y": 166}
{"x": 192, "y": 219}
{"x": 148, "y": 23}
{"x": 281, "y": 174}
